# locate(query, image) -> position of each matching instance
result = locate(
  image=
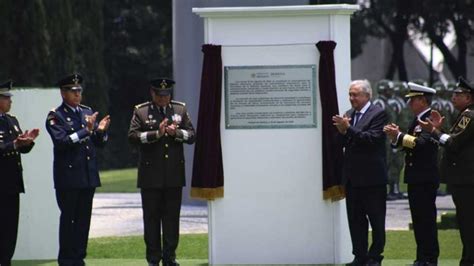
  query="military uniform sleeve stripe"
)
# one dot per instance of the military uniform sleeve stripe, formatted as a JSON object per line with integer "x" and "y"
{"x": 408, "y": 141}
{"x": 444, "y": 138}
{"x": 74, "y": 137}
{"x": 143, "y": 138}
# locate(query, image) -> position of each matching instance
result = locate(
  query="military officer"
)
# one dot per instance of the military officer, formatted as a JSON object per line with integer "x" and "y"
{"x": 159, "y": 128}
{"x": 457, "y": 163}
{"x": 12, "y": 142}
{"x": 421, "y": 173}
{"x": 75, "y": 135}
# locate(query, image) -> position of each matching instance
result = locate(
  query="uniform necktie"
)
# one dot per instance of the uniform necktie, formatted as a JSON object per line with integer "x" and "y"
{"x": 357, "y": 117}
{"x": 162, "y": 110}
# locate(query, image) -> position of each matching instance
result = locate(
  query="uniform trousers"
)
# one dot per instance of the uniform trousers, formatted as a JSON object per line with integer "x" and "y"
{"x": 364, "y": 205}
{"x": 76, "y": 209}
{"x": 463, "y": 197}
{"x": 10, "y": 209}
{"x": 422, "y": 200}
{"x": 161, "y": 210}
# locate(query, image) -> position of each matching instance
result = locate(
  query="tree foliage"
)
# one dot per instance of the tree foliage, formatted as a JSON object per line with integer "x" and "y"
{"x": 393, "y": 18}
{"x": 435, "y": 18}
{"x": 117, "y": 46}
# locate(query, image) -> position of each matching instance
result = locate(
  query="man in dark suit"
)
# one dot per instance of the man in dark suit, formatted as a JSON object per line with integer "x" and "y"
{"x": 75, "y": 135}
{"x": 421, "y": 173}
{"x": 12, "y": 142}
{"x": 364, "y": 172}
{"x": 457, "y": 162}
{"x": 159, "y": 128}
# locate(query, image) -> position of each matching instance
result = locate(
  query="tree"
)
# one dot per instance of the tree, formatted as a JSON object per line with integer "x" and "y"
{"x": 138, "y": 48}
{"x": 437, "y": 18}
{"x": 390, "y": 18}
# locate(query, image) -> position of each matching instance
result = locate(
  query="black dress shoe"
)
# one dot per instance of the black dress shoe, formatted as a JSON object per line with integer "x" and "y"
{"x": 152, "y": 264}
{"x": 356, "y": 262}
{"x": 372, "y": 262}
{"x": 170, "y": 263}
{"x": 424, "y": 263}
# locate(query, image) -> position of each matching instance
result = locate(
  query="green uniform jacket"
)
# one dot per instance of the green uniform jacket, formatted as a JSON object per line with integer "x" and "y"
{"x": 161, "y": 159}
{"x": 457, "y": 163}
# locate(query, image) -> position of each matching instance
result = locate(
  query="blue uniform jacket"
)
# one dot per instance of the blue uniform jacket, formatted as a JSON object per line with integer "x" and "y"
{"x": 421, "y": 158}
{"x": 11, "y": 181}
{"x": 75, "y": 160}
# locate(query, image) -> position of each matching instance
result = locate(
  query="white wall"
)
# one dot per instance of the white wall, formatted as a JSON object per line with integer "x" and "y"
{"x": 39, "y": 214}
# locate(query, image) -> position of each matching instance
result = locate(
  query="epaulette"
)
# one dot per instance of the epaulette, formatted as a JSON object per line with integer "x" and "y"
{"x": 85, "y": 106}
{"x": 53, "y": 110}
{"x": 178, "y": 103}
{"x": 10, "y": 115}
{"x": 138, "y": 106}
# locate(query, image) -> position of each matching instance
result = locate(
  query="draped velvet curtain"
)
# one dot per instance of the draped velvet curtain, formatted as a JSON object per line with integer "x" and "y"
{"x": 208, "y": 173}
{"x": 332, "y": 145}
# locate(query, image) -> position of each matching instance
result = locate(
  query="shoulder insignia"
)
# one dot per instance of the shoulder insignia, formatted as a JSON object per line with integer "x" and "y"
{"x": 85, "y": 106}
{"x": 464, "y": 122}
{"x": 138, "y": 106}
{"x": 178, "y": 103}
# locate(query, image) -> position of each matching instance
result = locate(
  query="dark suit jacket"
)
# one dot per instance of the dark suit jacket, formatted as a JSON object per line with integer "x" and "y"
{"x": 161, "y": 159}
{"x": 75, "y": 159}
{"x": 365, "y": 150}
{"x": 421, "y": 161}
{"x": 11, "y": 181}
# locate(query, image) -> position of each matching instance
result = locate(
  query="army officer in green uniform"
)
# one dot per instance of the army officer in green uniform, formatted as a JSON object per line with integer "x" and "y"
{"x": 159, "y": 128}
{"x": 457, "y": 163}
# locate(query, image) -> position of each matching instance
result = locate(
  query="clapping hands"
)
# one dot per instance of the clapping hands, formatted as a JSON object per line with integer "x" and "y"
{"x": 26, "y": 138}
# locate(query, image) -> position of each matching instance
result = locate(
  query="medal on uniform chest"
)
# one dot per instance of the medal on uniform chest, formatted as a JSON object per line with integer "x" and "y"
{"x": 176, "y": 118}
{"x": 16, "y": 128}
{"x": 68, "y": 118}
{"x": 150, "y": 116}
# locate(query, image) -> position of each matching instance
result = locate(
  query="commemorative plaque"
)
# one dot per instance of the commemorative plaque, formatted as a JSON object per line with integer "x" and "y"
{"x": 270, "y": 96}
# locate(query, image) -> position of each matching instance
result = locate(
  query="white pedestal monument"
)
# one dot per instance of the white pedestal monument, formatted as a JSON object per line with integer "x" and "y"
{"x": 39, "y": 213}
{"x": 273, "y": 210}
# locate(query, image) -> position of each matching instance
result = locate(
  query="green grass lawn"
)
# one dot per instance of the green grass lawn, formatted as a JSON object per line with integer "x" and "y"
{"x": 193, "y": 250}
{"x": 114, "y": 181}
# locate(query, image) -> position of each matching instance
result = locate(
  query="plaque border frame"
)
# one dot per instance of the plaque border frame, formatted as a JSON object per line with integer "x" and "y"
{"x": 313, "y": 89}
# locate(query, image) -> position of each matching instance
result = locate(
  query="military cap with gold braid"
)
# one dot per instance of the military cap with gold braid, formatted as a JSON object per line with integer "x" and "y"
{"x": 5, "y": 89}
{"x": 162, "y": 86}
{"x": 419, "y": 90}
{"x": 409, "y": 141}
{"x": 71, "y": 82}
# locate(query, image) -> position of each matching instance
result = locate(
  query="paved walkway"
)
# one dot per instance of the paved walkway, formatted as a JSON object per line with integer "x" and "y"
{"x": 120, "y": 214}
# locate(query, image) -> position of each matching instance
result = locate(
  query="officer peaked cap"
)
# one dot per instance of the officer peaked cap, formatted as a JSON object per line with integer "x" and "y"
{"x": 163, "y": 86}
{"x": 5, "y": 88}
{"x": 463, "y": 86}
{"x": 419, "y": 90}
{"x": 72, "y": 82}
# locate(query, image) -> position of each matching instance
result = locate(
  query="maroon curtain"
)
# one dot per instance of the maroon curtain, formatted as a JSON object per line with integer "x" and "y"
{"x": 208, "y": 173}
{"x": 332, "y": 146}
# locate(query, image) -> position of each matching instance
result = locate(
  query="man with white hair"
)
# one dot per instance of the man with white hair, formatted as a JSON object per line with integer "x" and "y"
{"x": 364, "y": 172}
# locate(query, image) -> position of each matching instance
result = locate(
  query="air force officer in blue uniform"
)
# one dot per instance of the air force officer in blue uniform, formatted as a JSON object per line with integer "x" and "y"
{"x": 75, "y": 135}
{"x": 13, "y": 142}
